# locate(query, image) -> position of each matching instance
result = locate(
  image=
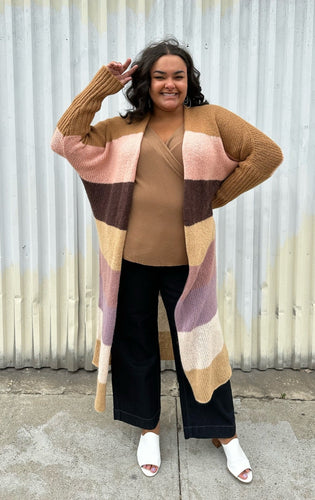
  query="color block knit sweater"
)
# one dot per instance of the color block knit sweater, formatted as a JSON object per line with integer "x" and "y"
{"x": 223, "y": 157}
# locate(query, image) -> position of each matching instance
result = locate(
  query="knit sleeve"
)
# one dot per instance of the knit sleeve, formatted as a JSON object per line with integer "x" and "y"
{"x": 256, "y": 154}
{"x": 76, "y": 120}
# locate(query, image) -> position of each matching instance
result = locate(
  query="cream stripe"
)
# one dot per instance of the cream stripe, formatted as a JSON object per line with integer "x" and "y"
{"x": 103, "y": 363}
{"x": 199, "y": 347}
{"x": 112, "y": 242}
{"x": 199, "y": 237}
{"x": 204, "y": 382}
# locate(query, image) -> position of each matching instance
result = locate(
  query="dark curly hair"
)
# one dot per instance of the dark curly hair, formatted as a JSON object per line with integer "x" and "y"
{"x": 138, "y": 92}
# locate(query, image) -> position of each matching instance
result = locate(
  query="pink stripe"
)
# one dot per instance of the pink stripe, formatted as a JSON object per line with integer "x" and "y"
{"x": 116, "y": 162}
{"x": 57, "y": 142}
{"x": 205, "y": 158}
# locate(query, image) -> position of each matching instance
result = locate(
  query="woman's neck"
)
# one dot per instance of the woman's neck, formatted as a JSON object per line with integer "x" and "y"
{"x": 166, "y": 123}
{"x": 158, "y": 115}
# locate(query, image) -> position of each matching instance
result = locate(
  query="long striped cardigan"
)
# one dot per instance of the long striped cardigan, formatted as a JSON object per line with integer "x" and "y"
{"x": 223, "y": 156}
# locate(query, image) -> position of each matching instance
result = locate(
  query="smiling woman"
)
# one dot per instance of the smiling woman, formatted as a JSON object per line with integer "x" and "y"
{"x": 153, "y": 177}
{"x": 138, "y": 93}
{"x": 168, "y": 91}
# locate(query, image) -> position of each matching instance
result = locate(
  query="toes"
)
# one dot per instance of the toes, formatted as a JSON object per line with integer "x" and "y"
{"x": 244, "y": 474}
{"x": 152, "y": 468}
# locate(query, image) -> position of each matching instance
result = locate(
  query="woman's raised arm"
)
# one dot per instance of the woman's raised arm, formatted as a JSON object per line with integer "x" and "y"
{"x": 76, "y": 121}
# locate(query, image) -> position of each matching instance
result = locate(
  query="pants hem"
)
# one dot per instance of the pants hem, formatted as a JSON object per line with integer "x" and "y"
{"x": 209, "y": 431}
{"x": 143, "y": 423}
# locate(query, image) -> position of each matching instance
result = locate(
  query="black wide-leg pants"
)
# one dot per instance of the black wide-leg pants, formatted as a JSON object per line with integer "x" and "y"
{"x": 136, "y": 356}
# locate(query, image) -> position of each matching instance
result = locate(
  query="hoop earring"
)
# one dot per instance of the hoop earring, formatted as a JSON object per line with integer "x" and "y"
{"x": 187, "y": 102}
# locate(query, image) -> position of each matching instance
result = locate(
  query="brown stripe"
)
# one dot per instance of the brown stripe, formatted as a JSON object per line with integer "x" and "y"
{"x": 198, "y": 196}
{"x": 110, "y": 202}
{"x": 204, "y": 382}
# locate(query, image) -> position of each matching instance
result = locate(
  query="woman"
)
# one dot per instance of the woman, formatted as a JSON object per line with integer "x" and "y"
{"x": 153, "y": 177}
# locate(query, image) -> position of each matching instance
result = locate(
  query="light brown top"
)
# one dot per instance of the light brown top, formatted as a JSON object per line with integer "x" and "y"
{"x": 155, "y": 235}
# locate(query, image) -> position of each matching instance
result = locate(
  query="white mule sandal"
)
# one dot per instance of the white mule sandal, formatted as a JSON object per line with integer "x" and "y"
{"x": 149, "y": 452}
{"x": 237, "y": 461}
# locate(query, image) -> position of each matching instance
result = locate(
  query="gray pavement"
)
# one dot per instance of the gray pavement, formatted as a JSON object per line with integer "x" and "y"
{"x": 55, "y": 446}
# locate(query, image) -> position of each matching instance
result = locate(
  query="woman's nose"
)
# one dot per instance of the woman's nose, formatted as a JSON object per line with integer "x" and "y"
{"x": 169, "y": 84}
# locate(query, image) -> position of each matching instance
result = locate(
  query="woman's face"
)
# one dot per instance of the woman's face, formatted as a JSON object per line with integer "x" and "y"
{"x": 169, "y": 83}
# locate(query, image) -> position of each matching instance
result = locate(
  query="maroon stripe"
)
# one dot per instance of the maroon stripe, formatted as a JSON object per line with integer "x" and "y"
{"x": 198, "y": 196}
{"x": 110, "y": 202}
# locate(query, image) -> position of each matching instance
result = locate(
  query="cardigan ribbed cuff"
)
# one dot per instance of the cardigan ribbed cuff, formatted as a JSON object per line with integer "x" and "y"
{"x": 237, "y": 183}
{"x": 263, "y": 158}
{"x": 76, "y": 120}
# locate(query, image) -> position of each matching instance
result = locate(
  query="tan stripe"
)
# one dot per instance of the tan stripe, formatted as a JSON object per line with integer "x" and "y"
{"x": 121, "y": 128}
{"x": 201, "y": 119}
{"x": 166, "y": 347}
{"x": 204, "y": 382}
{"x": 97, "y": 350}
{"x": 199, "y": 236}
{"x": 112, "y": 242}
{"x": 100, "y": 398}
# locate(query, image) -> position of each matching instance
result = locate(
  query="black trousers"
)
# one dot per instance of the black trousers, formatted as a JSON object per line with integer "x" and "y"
{"x": 136, "y": 356}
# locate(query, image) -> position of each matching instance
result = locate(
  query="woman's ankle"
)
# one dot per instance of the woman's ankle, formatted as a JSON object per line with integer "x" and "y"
{"x": 156, "y": 430}
{"x": 227, "y": 440}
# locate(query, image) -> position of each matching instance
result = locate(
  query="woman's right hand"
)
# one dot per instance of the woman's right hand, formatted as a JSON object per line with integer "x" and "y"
{"x": 118, "y": 70}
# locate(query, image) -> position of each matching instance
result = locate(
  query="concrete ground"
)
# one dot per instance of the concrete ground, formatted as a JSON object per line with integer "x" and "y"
{"x": 53, "y": 445}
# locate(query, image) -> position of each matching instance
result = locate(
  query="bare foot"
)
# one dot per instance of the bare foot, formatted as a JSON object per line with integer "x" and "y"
{"x": 153, "y": 468}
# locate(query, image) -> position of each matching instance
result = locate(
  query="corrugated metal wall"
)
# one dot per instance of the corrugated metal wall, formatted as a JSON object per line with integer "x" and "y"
{"x": 256, "y": 58}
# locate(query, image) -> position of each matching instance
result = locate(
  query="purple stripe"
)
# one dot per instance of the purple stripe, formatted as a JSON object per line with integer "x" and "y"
{"x": 109, "y": 282}
{"x": 109, "y": 320}
{"x": 197, "y": 308}
{"x": 108, "y": 296}
{"x": 199, "y": 276}
{"x": 101, "y": 294}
